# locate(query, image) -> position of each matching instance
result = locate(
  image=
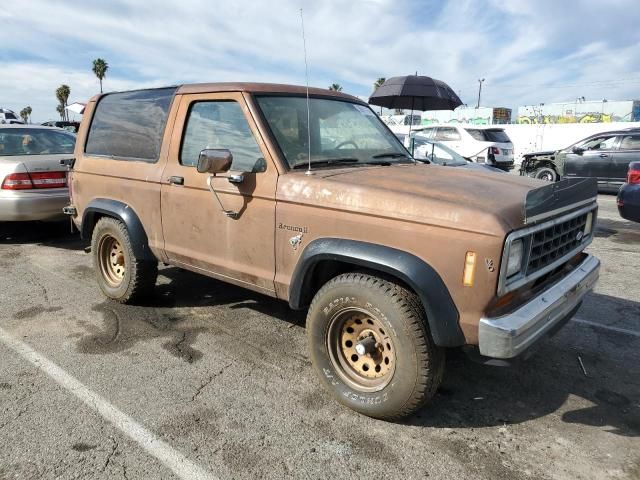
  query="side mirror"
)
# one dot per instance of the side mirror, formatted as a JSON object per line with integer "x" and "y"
{"x": 214, "y": 161}
{"x": 578, "y": 150}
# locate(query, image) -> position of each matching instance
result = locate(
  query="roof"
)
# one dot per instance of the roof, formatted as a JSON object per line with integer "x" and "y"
{"x": 256, "y": 88}
{"x": 30, "y": 126}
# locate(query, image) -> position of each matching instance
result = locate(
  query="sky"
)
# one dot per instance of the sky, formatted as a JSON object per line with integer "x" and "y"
{"x": 528, "y": 52}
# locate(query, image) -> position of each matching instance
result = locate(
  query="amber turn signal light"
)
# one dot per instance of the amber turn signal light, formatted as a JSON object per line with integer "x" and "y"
{"x": 469, "y": 269}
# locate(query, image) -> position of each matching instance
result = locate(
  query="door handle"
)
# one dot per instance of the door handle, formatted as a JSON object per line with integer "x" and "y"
{"x": 176, "y": 180}
{"x": 236, "y": 178}
{"x": 604, "y": 155}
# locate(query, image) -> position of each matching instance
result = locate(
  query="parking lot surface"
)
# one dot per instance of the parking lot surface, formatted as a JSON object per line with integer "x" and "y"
{"x": 207, "y": 380}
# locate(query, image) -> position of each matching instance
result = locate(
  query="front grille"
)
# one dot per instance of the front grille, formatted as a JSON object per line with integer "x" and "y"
{"x": 554, "y": 242}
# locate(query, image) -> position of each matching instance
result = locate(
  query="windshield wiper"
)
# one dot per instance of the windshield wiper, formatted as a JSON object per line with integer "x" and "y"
{"x": 391, "y": 155}
{"x": 327, "y": 161}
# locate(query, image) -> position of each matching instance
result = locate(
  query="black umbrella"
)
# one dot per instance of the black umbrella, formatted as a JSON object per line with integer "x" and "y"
{"x": 416, "y": 92}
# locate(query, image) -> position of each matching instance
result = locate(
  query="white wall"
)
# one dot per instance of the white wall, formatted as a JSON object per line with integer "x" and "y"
{"x": 533, "y": 138}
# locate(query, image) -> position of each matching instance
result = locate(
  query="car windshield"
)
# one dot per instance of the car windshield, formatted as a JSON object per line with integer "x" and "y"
{"x": 489, "y": 135}
{"x": 341, "y": 132}
{"x": 437, "y": 153}
{"x": 32, "y": 141}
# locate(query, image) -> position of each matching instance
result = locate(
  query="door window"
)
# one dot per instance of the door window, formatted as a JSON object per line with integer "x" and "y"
{"x": 447, "y": 134}
{"x": 600, "y": 143}
{"x": 630, "y": 142}
{"x": 221, "y": 124}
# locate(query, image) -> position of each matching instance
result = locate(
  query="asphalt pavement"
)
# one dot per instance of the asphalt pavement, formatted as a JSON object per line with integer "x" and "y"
{"x": 207, "y": 380}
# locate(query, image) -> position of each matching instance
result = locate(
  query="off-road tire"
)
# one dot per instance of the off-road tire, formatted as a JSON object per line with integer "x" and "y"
{"x": 419, "y": 363}
{"x": 139, "y": 277}
{"x": 545, "y": 173}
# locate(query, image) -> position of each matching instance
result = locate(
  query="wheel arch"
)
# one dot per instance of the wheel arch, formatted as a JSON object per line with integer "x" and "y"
{"x": 325, "y": 258}
{"x": 104, "y": 207}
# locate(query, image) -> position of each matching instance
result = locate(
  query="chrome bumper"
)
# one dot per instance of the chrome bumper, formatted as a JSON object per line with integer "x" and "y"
{"x": 509, "y": 335}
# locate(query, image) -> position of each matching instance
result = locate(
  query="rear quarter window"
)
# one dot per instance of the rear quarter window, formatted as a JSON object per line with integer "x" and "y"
{"x": 130, "y": 125}
{"x": 489, "y": 135}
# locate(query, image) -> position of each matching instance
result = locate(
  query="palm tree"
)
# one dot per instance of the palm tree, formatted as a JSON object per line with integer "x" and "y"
{"x": 24, "y": 115}
{"x": 28, "y": 109}
{"x": 62, "y": 94}
{"x": 377, "y": 84}
{"x": 336, "y": 87}
{"x": 100, "y": 68}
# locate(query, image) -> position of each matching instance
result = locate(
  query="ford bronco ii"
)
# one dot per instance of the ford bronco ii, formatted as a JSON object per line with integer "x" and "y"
{"x": 314, "y": 201}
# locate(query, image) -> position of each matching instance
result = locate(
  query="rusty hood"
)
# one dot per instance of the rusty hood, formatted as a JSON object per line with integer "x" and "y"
{"x": 470, "y": 200}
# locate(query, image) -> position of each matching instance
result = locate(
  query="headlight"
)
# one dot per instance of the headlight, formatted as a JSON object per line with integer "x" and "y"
{"x": 514, "y": 262}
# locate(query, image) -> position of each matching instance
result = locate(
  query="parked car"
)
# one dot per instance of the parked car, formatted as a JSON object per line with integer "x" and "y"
{"x": 394, "y": 261}
{"x": 482, "y": 144}
{"x": 33, "y": 184}
{"x": 8, "y": 117}
{"x": 440, "y": 154}
{"x": 629, "y": 194}
{"x": 70, "y": 126}
{"x": 603, "y": 156}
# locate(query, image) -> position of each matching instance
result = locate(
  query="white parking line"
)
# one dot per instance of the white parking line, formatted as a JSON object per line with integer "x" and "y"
{"x": 606, "y": 327}
{"x": 174, "y": 460}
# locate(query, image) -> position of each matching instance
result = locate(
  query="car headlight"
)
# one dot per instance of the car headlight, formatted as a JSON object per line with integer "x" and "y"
{"x": 514, "y": 262}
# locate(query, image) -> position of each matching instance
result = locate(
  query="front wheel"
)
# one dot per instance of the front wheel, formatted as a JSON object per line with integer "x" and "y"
{"x": 546, "y": 173}
{"x": 371, "y": 347}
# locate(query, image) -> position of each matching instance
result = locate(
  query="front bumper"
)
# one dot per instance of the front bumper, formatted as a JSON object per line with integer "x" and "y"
{"x": 18, "y": 206}
{"x": 509, "y": 335}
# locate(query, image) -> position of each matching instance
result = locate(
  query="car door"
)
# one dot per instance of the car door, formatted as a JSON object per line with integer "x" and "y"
{"x": 197, "y": 234}
{"x": 591, "y": 159}
{"x": 628, "y": 151}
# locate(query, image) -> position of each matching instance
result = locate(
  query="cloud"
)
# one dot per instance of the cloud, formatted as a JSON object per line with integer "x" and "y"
{"x": 529, "y": 52}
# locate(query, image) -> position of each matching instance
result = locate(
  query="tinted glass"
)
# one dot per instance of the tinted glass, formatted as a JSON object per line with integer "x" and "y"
{"x": 446, "y": 134}
{"x": 10, "y": 115}
{"x": 130, "y": 125}
{"x": 489, "y": 135}
{"x": 26, "y": 141}
{"x": 600, "y": 143}
{"x": 339, "y": 130}
{"x": 630, "y": 142}
{"x": 221, "y": 124}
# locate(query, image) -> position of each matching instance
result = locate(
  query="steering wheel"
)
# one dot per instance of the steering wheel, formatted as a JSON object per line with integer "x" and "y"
{"x": 348, "y": 142}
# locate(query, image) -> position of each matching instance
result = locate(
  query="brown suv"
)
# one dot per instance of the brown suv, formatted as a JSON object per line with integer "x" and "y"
{"x": 315, "y": 202}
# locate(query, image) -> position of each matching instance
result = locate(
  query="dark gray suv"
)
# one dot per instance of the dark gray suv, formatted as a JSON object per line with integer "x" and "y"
{"x": 604, "y": 156}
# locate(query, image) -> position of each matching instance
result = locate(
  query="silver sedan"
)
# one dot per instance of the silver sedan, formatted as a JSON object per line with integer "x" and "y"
{"x": 33, "y": 184}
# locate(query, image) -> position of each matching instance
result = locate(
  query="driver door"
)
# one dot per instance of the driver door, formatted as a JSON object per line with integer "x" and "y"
{"x": 594, "y": 161}
{"x": 197, "y": 234}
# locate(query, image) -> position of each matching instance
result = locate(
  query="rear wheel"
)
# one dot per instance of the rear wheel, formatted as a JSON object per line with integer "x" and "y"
{"x": 370, "y": 345}
{"x": 546, "y": 173}
{"x": 121, "y": 276}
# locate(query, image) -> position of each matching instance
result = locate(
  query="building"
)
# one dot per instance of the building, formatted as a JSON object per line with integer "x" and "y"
{"x": 580, "y": 111}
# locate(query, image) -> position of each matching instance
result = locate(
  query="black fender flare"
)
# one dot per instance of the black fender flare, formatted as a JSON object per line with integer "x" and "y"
{"x": 121, "y": 211}
{"x": 442, "y": 314}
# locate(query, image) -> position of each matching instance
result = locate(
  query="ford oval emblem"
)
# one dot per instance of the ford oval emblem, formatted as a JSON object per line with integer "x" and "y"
{"x": 579, "y": 235}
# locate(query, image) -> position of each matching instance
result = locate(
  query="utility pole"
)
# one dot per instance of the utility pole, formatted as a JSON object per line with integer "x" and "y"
{"x": 480, "y": 81}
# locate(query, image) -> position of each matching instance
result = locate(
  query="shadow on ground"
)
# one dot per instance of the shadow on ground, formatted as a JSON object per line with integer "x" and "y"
{"x": 53, "y": 234}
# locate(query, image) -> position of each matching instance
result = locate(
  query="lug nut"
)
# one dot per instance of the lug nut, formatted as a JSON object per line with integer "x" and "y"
{"x": 366, "y": 345}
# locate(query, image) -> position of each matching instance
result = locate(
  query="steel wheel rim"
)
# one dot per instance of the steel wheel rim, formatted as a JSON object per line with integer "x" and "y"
{"x": 546, "y": 176}
{"x": 112, "y": 260}
{"x": 372, "y": 371}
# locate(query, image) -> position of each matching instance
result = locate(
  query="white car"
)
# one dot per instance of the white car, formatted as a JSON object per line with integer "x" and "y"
{"x": 8, "y": 117}
{"x": 33, "y": 183}
{"x": 482, "y": 144}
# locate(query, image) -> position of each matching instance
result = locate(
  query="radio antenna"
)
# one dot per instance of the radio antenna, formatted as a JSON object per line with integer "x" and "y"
{"x": 306, "y": 71}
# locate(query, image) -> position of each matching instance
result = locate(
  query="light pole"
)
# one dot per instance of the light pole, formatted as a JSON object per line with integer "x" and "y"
{"x": 480, "y": 82}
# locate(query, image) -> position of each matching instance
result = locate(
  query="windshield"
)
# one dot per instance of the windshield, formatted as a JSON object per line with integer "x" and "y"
{"x": 340, "y": 131}
{"x": 32, "y": 141}
{"x": 436, "y": 153}
{"x": 489, "y": 135}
